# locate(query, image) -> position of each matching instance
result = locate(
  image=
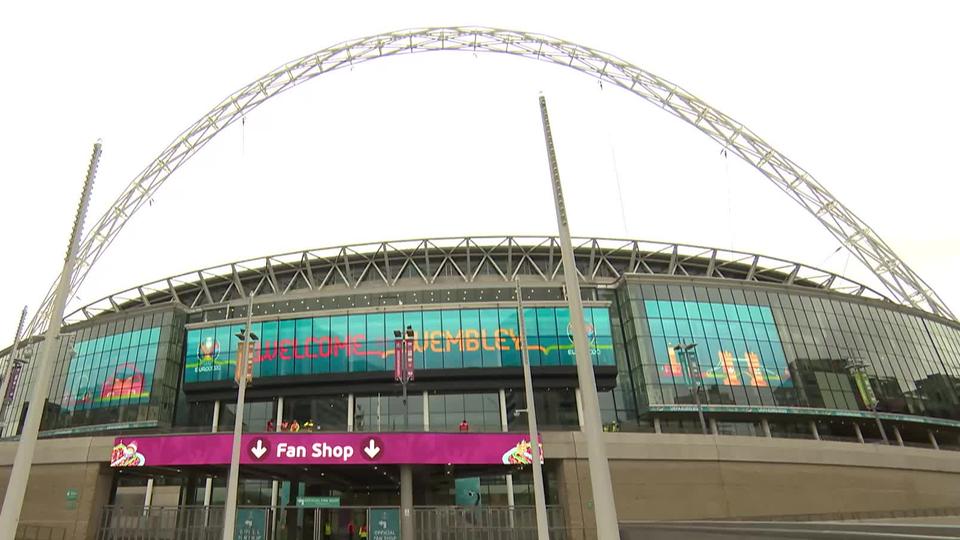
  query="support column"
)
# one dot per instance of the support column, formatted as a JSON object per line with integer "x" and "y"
{"x": 579, "y": 396}
{"x": 148, "y": 497}
{"x": 713, "y": 427}
{"x": 933, "y": 440}
{"x": 896, "y": 435}
{"x": 426, "y": 411}
{"x": 656, "y": 425}
{"x": 208, "y": 483}
{"x": 600, "y": 482}
{"x": 856, "y": 429}
{"x": 275, "y": 487}
{"x": 406, "y": 502}
{"x": 216, "y": 417}
{"x": 350, "y": 412}
{"x": 813, "y": 429}
{"x": 42, "y": 368}
{"x": 765, "y": 424}
{"x": 504, "y": 426}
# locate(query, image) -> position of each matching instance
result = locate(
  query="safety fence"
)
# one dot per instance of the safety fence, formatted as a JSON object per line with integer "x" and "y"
{"x": 161, "y": 523}
{"x": 486, "y": 523}
{"x": 430, "y": 523}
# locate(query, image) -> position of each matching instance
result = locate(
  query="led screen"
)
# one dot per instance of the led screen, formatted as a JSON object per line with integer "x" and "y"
{"x": 736, "y": 345}
{"x": 465, "y": 338}
{"x": 112, "y": 370}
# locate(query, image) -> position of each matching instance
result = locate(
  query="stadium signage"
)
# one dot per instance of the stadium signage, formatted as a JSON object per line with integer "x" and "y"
{"x": 324, "y": 449}
{"x": 503, "y": 339}
{"x": 442, "y": 339}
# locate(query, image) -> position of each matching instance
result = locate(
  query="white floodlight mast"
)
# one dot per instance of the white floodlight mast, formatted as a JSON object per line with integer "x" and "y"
{"x": 902, "y": 282}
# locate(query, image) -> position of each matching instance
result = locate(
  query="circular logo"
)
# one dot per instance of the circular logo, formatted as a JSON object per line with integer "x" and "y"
{"x": 591, "y": 336}
{"x": 208, "y": 350}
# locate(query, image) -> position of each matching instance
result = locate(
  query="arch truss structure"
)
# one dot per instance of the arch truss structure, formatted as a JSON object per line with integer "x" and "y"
{"x": 458, "y": 262}
{"x": 901, "y": 281}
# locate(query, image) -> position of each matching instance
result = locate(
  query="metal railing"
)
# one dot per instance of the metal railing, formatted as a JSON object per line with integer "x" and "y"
{"x": 486, "y": 523}
{"x": 431, "y": 523}
{"x": 160, "y": 523}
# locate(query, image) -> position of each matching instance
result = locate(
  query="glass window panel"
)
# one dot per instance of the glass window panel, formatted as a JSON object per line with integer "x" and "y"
{"x": 285, "y": 347}
{"x": 489, "y": 328}
{"x": 375, "y": 327}
{"x": 303, "y": 348}
{"x": 547, "y": 322}
{"x": 508, "y": 338}
{"x": 357, "y": 326}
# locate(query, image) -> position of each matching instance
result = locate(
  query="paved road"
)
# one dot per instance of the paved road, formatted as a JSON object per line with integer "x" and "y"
{"x": 770, "y": 530}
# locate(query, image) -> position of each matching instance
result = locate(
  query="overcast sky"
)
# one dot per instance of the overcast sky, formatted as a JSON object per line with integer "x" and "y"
{"x": 861, "y": 94}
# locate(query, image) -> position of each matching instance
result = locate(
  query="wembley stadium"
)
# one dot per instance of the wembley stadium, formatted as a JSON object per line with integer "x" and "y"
{"x": 731, "y": 385}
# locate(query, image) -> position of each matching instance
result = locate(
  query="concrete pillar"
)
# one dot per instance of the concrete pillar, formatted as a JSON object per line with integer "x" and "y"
{"x": 148, "y": 497}
{"x": 576, "y": 393}
{"x": 275, "y": 487}
{"x": 350, "y": 412}
{"x": 933, "y": 440}
{"x": 713, "y": 427}
{"x": 504, "y": 424}
{"x": 896, "y": 435}
{"x": 765, "y": 424}
{"x": 813, "y": 429}
{"x": 856, "y": 429}
{"x": 216, "y": 416}
{"x": 656, "y": 425}
{"x": 406, "y": 502}
{"x": 426, "y": 411}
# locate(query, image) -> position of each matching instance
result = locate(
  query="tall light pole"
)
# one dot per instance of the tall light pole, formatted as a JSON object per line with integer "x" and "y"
{"x": 247, "y": 344}
{"x": 539, "y": 500}
{"x": 11, "y": 364}
{"x": 869, "y": 397}
{"x": 403, "y": 367}
{"x": 17, "y": 485}
{"x": 605, "y": 510}
{"x": 693, "y": 370}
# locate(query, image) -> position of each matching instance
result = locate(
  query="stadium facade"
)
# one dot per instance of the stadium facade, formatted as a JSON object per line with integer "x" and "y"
{"x": 817, "y": 394}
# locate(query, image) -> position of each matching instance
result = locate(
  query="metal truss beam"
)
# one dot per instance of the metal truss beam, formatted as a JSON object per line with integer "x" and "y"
{"x": 495, "y": 260}
{"x": 864, "y": 244}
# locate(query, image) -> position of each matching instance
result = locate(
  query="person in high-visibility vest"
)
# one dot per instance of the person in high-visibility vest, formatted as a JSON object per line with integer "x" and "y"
{"x": 327, "y": 530}
{"x": 363, "y": 532}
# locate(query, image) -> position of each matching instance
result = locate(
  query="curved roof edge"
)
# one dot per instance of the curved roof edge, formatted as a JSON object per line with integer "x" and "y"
{"x": 452, "y": 260}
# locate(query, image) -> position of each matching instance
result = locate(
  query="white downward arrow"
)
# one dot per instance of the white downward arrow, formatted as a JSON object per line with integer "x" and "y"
{"x": 259, "y": 450}
{"x": 372, "y": 450}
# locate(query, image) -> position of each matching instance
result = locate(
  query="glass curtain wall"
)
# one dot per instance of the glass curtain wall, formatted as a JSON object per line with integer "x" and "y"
{"x": 759, "y": 347}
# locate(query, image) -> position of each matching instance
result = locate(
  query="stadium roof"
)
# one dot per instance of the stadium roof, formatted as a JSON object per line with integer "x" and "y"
{"x": 449, "y": 262}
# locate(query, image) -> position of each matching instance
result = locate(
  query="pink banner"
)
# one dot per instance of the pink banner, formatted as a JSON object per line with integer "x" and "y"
{"x": 409, "y": 360}
{"x": 324, "y": 449}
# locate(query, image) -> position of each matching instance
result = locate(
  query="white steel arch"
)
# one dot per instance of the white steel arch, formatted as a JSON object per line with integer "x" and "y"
{"x": 902, "y": 282}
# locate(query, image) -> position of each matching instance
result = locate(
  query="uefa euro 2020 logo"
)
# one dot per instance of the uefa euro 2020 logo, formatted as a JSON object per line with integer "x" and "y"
{"x": 591, "y": 338}
{"x": 207, "y": 352}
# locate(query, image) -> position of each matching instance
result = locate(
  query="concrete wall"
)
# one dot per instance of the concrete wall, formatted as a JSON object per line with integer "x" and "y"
{"x": 61, "y": 464}
{"x": 661, "y": 477}
{"x": 667, "y": 476}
